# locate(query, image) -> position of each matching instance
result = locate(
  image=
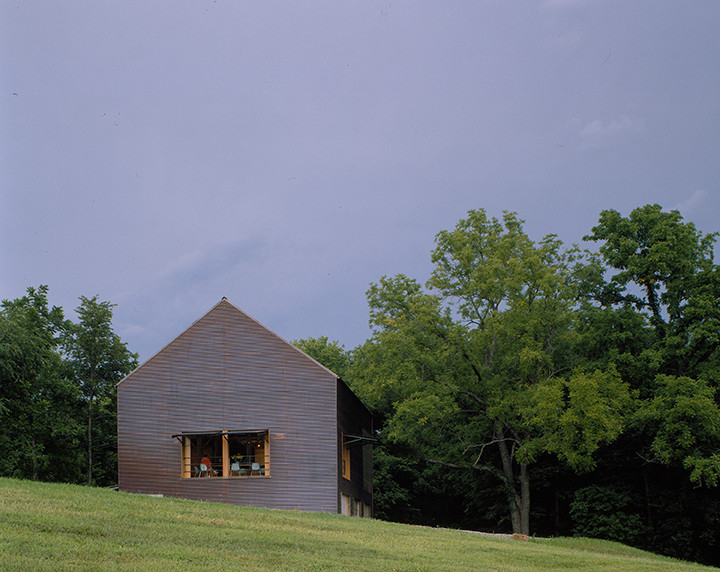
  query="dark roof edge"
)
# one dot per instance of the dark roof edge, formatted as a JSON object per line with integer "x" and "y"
{"x": 355, "y": 395}
{"x": 205, "y": 433}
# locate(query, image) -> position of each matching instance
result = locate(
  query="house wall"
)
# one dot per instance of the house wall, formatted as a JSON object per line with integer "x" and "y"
{"x": 227, "y": 372}
{"x": 355, "y": 419}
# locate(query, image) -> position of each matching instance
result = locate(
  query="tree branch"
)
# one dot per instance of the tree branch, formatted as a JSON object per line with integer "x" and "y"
{"x": 484, "y": 468}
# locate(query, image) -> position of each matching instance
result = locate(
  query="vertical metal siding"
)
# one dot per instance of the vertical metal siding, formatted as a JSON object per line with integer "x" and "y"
{"x": 355, "y": 419}
{"x": 227, "y": 372}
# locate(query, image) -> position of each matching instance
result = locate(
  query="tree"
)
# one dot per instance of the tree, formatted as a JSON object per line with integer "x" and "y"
{"x": 655, "y": 316}
{"x": 99, "y": 359}
{"x": 38, "y": 405}
{"x": 483, "y": 360}
{"x": 330, "y": 354}
{"x": 664, "y": 268}
{"x": 669, "y": 262}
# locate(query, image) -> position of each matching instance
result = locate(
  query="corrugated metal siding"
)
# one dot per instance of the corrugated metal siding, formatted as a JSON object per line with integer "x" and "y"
{"x": 355, "y": 419}
{"x": 227, "y": 372}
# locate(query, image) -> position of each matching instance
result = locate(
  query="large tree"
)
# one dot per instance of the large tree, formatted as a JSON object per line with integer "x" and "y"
{"x": 99, "y": 359}
{"x": 481, "y": 361}
{"x": 38, "y": 404}
{"x": 663, "y": 267}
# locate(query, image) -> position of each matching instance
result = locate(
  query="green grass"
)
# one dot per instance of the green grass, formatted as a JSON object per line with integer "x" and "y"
{"x": 66, "y": 527}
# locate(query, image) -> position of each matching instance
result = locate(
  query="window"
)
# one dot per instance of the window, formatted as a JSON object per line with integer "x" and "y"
{"x": 225, "y": 454}
{"x": 350, "y": 506}
{"x": 345, "y": 458}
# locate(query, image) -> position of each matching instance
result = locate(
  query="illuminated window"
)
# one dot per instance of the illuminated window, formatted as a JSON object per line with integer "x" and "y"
{"x": 225, "y": 454}
{"x": 345, "y": 459}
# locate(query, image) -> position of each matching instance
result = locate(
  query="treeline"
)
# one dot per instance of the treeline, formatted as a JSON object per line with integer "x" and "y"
{"x": 550, "y": 390}
{"x": 58, "y": 417}
{"x": 526, "y": 386}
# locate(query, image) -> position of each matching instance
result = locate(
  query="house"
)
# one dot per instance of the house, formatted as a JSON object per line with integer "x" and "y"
{"x": 231, "y": 412}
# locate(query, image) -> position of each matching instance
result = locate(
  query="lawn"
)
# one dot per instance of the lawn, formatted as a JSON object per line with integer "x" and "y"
{"x": 53, "y": 526}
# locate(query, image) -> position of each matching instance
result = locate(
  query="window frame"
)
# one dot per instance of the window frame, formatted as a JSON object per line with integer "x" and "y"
{"x": 223, "y": 449}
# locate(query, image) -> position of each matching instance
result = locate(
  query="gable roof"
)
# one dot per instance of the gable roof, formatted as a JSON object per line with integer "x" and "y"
{"x": 225, "y": 302}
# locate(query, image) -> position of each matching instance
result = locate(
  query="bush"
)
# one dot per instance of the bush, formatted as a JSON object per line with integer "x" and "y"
{"x": 603, "y": 512}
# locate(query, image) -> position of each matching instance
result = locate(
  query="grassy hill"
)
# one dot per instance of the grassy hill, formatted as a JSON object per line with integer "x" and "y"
{"x": 68, "y": 527}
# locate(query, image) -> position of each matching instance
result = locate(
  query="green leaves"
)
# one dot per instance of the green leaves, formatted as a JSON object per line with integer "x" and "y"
{"x": 485, "y": 267}
{"x": 478, "y": 263}
{"x": 684, "y": 419}
{"x": 50, "y": 371}
{"x": 471, "y": 354}
{"x": 656, "y": 251}
{"x": 703, "y": 470}
{"x": 665, "y": 268}
{"x": 603, "y": 512}
{"x": 517, "y": 350}
{"x": 574, "y": 416}
{"x": 98, "y": 356}
{"x": 36, "y": 404}
{"x": 419, "y": 419}
{"x": 330, "y": 354}
{"x": 98, "y": 359}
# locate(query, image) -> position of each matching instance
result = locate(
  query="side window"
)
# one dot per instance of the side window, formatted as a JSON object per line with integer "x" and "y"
{"x": 345, "y": 459}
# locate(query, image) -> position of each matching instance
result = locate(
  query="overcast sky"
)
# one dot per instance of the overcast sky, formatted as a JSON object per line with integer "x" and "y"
{"x": 163, "y": 154}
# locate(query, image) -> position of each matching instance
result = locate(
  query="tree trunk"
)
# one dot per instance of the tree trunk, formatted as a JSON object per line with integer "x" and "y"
{"x": 518, "y": 487}
{"x": 647, "y": 499}
{"x": 34, "y": 460}
{"x": 656, "y": 319}
{"x": 557, "y": 510}
{"x": 524, "y": 499}
{"x": 89, "y": 437}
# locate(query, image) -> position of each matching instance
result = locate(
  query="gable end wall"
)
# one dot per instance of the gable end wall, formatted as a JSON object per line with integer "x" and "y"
{"x": 227, "y": 372}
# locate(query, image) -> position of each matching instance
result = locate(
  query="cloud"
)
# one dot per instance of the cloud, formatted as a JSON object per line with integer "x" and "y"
{"x": 696, "y": 200}
{"x": 562, "y": 4}
{"x": 599, "y": 133}
{"x": 213, "y": 263}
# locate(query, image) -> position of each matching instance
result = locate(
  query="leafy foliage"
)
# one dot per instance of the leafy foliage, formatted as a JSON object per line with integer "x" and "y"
{"x": 484, "y": 357}
{"x": 597, "y": 372}
{"x": 52, "y": 370}
{"x": 98, "y": 359}
{"x": 331, "y": 354}
{"x": 38, "y": 406}
{"x": 684, "y": 419}
{"x": 603, "y": 512}
{"x": 576, "y": 415}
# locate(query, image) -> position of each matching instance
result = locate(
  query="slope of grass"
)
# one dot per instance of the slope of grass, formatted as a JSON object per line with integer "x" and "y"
{"x": 68, "y": 527}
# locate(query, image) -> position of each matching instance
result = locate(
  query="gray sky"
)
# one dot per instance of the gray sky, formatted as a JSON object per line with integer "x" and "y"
{"x": 287, "y": 154}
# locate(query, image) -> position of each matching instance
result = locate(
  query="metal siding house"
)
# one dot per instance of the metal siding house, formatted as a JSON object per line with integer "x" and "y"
{"x": 231, "y": 412}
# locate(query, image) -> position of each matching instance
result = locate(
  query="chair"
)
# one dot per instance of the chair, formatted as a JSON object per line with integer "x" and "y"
{"x": 235, "y": 468}
{"x": 255, "y": 467}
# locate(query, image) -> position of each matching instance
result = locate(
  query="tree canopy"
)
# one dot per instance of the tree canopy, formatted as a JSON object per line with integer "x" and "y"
{"x": 482, "y": 358}
{"x": 56, "y": 376}
{"x": 597, "y": 372}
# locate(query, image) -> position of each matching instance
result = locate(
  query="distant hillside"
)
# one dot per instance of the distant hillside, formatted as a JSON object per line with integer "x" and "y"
{"x": 55, "y": 526}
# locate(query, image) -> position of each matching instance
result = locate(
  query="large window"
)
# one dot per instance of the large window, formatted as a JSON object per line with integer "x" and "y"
{"x": 225, "y": 454}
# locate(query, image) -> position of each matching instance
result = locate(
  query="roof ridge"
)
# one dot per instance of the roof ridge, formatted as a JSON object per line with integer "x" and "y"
{"x": 224, "y": 300}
